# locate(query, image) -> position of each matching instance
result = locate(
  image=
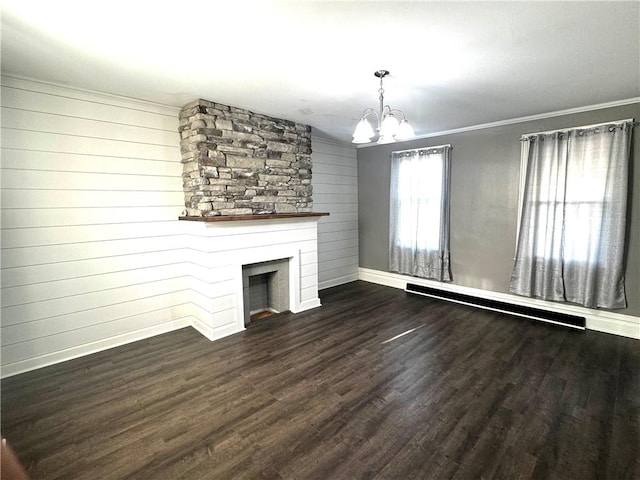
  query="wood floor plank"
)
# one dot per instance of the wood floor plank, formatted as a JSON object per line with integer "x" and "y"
{"x": 375, "y": 384}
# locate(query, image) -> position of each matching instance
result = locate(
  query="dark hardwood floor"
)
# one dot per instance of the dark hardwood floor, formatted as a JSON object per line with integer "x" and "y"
{"x": 336, "y": 393}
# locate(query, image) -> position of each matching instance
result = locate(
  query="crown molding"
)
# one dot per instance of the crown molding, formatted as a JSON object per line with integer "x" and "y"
{"x": 60, "y": 89}
{"x": 528, "y": 118}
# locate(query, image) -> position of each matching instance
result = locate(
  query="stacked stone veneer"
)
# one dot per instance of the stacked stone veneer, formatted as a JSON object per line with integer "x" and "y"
{"x": 236, "y": 162}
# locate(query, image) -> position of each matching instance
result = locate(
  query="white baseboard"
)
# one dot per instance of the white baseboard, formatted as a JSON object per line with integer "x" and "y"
{"x": 334, "y": 282}
{"x": 94, "y": 347}
{"x": 599, "y": 320}
{"x": 217, "y": 332}
{"x": 307, "y": 305}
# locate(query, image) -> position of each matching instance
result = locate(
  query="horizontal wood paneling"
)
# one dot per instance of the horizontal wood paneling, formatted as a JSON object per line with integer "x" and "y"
{"x": 91, "y": 246}
{"x": 335, "y": 170}
{"x": 55, "y": 217}
{"x": 29, "y": 120}
{"x": 224, "y": 301}
{"x": 50, "y": 317}
{"x": 88, "y": 199}
{"x": 340, "y": 198}
{"x": 335, "y": 190}
{"x": 15, "y": 179}
{"x": 202, "y": 275}
{"x": 335, "y": 207}
{"x": 328, "y": 255}
{"x": 59, "y": 142}
{"x": 25, "y": 294}
{"x": 232, "y": 243}
{"x": 340, "y": 275}
{"x": 336, "y": 178}
{"x": 40, "y": 255}
{"x": 331, "y": 189}
{"x": 341, "y": 224}
{"x": 92, "y": 252}
{"x": 326, "y": 237}
{"x": 26, "y": 237}
{"x": 343, "y": 243}
{"x": 51, "y": 161}
{"x": 160, "y": 307}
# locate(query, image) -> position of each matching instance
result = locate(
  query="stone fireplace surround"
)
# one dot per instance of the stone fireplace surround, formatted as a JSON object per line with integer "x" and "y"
{"x": 237, "y": 162}
{"x": 248, "y": 199}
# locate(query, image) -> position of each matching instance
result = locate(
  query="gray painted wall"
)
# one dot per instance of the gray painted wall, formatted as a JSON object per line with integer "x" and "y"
{"x": 484, "y": 200}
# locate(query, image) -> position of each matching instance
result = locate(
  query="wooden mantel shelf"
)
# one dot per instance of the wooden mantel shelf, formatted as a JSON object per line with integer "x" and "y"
{"x": 266, "y": 216}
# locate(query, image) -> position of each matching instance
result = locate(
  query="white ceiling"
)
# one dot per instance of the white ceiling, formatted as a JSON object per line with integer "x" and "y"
{"x": 453, "y": 64}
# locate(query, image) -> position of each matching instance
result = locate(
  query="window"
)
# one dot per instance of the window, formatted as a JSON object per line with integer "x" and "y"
{"x": 571, "y": 234}
{"x": 419, "y": 213}
{"x": 418, "y": 196}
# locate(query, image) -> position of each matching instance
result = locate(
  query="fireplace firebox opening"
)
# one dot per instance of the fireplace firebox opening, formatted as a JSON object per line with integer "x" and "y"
{"x": 265, "y": 288}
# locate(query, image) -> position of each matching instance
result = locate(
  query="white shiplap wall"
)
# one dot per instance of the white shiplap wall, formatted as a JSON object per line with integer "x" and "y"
{"x": 92, "y": 252}
{"x": 335, "y": 190}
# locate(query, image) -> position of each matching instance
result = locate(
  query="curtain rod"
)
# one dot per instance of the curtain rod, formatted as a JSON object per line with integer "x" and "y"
{"x": 421, "y": 148}
{"x": 548, "y": 132}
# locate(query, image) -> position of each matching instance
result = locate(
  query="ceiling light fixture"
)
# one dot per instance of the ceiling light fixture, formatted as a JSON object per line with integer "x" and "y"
{"x": 388, "y": 127}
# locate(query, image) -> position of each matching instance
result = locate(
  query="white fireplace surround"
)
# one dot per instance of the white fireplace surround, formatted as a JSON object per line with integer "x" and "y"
{"x": 217, "y": 252}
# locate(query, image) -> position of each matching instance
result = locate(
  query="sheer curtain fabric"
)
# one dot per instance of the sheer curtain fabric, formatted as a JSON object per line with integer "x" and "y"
{"x": 419, "y": 213}
{"x": 571, "y": 237}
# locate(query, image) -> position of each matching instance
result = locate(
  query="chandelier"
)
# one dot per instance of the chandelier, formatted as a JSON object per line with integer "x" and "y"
{"x": 387, "y": 125}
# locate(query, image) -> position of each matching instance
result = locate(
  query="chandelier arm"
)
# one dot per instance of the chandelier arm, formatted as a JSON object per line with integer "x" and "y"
{"x": 391, "y": 110}
{"x": 370, "y": 111}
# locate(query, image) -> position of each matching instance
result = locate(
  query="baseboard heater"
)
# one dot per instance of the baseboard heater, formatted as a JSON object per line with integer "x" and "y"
{"x": 572, "y": 321}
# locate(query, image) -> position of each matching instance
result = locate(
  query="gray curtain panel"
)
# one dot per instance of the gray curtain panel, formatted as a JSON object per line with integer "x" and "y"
{"x": 419, "y": 213}
{"x": 572, "y": 228}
